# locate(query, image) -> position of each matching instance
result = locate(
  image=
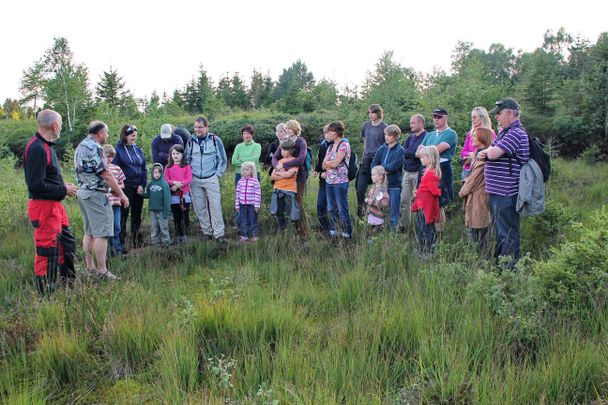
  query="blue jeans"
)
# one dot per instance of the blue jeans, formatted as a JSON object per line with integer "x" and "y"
{"x": 322, "y": 207}
{"x": 116, "y": 238}
{"x": 426, "y": 233}
{"x": 248, "y": 226}
{"x": 505, "y": 220}
{"x": 394, "y": 200}
{"x": 337, "y": 204}
{"x": 237, "y": 177}
{"x": 446, "y": 184}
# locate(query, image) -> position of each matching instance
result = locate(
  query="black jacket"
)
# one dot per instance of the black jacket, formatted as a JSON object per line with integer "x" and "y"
{"x": 42, "y": 170}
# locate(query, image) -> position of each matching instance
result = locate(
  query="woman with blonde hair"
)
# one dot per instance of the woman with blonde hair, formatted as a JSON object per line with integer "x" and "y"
{"x": 479, "y": 119}
{"x": 294, "y": 131}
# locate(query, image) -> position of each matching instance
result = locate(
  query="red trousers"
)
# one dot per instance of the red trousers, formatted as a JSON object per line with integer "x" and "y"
{"x": 49, "y": 218}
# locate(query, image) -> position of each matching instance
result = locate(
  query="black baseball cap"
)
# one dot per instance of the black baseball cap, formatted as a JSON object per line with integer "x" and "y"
{"x": 505, "y": 104}
{"x": 440, "y": 111}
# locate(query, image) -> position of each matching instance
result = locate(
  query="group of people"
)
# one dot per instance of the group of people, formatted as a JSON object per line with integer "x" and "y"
{"x": 410, "y": 181}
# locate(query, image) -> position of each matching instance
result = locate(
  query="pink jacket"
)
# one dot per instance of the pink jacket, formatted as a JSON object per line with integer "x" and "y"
{"x": 181, "y": 174}
{"x": 468, "y": 147}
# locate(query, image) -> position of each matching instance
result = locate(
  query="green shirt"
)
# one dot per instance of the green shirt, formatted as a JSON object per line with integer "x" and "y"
{"x": 246, "y": 152}
{"x": 448, "y": 136}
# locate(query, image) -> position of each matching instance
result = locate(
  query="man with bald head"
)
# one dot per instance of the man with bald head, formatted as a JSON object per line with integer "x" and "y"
{"x": 411, "y": 167}
{"x": 53, "y": 238}
{"x": 94, "y": 182}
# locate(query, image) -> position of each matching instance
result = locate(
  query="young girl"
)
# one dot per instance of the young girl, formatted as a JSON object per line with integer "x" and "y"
{"x": 179, "y": 176}
{"x": 426, "y": 202}
{"x": 247, "y": 202}
{"x": 377, "y": 200}
{"x": 477, "y": 215}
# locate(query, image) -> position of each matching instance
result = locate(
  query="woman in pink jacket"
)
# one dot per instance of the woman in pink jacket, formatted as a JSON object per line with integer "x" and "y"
{"x": 479, "y": 119}
{"x": 179, "y": 176}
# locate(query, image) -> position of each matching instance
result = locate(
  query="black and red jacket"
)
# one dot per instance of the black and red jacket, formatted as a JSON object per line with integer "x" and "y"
{"x": 42, "y": 170}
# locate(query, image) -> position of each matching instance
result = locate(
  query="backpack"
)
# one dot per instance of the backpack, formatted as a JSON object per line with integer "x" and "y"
{"x": 541, "y": 157}
{"x": 308, "y": 160}
{"x": 352, "y": 165}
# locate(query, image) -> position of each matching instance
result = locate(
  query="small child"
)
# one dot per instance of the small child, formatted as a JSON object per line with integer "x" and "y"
{"x": 247, "y": 202}
{"x": 119, "y": 176}
{"x": 377, "y": 200}
{"x": 426, "y": 202}
{"x": 159, "y": 206}
{"x": 178, "y": 175}
{"x": 283, "y": 201}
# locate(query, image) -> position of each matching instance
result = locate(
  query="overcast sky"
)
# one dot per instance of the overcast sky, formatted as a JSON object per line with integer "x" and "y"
{"x": 159, "y": 45}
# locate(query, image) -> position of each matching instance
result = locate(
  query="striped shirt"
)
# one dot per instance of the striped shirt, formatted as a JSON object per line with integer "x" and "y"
{"x": 119, "y": 176}
{"x": 502, "y": 174}
{"x": 248, "y": 192}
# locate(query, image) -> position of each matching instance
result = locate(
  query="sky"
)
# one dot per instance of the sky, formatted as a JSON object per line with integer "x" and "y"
{"x": 159, "y": 46}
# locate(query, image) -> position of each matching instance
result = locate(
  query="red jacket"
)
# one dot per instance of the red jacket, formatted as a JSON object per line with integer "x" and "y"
{"x": 427, "y": 197}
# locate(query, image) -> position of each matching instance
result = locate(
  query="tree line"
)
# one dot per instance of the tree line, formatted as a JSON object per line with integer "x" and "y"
{"x": 562, "y": 86}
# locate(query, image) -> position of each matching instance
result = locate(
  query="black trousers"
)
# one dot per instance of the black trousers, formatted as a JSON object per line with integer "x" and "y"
{"x": 364, "y": 179}
{"x": 136, "y": 204}
{"x": 181, "y": 218}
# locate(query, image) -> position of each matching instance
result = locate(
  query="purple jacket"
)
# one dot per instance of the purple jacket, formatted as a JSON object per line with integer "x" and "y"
{"x": 160, "y": 148}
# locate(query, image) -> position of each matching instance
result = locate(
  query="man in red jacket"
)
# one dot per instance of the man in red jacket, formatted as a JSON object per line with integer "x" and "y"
{"x": 53, "y": 238}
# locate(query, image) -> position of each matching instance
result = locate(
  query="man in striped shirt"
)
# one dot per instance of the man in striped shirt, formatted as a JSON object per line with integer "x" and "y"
{"x": 505, "y": 157}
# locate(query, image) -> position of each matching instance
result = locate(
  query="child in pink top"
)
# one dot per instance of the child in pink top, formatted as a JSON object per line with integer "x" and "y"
{"x": 178, "y": 175}
{"x": 247, "y": 202}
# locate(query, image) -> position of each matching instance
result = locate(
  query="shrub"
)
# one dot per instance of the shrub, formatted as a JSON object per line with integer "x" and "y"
{"x": 574, "y": 280}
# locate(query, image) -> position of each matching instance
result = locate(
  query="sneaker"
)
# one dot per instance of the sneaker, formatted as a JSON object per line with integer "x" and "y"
{"x": 108, "y": 276}
{"x": 254, "y": 239}
{"x": 242, "y": 239}
{"x": 221, "y": 239}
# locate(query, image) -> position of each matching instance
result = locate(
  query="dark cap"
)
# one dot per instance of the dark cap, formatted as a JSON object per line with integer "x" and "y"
{"x": 440, "y": 111}
{"x": 505, "y": 104}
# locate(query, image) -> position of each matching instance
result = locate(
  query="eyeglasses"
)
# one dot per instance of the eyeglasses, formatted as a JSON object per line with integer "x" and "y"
{"x": 130, "y": 129}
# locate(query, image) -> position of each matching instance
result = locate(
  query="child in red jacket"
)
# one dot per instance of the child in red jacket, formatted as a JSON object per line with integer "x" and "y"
{"x": 426, "y": 203}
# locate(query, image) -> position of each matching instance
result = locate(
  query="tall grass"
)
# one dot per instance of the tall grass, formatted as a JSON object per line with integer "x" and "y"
{"x": 264, "y": 324}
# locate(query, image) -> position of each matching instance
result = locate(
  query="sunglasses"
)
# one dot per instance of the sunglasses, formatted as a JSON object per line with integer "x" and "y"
{"x": 438, "y": 116}
{"x": 130, "y": 129}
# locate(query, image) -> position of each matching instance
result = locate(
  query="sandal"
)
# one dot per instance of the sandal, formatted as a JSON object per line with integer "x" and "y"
{"x": 108, "y": 275}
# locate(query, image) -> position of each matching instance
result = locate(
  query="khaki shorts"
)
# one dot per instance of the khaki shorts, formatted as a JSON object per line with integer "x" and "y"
{"x": 97, "y": 214}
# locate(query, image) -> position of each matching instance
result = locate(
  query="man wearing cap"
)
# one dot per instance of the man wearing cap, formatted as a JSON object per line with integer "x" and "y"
{"x": 505, "y": 157}
{"x": 445, "y": 138}
{"x": 163, "y": 142}
{"x": 94, "y": 177}
{"x": 372, "y": 133}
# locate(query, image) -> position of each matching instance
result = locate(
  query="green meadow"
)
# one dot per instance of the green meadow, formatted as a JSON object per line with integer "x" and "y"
{"x": 364, "y": 323}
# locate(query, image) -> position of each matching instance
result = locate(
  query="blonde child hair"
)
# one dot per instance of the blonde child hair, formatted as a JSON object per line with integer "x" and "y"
{"x": 250, "y": 165}
{"x": 109, "y": 150}
{"x": 380, "y": 171}
{"x": 432, "y": 154}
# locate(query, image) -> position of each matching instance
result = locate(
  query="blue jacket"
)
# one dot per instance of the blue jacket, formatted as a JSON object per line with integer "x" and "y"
{"x": 392, "y": 161}
{"x": 132, "y": 161}
{"x": 160, "y": 148}
{"x": 206, "y": 156}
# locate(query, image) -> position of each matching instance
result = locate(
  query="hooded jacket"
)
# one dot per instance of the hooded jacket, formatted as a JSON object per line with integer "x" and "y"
{"x": 132, "y": 161}
{"x": 160, "y": 148}
{"x": 159, "y": 193}
{"x": 427, "y": 197}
